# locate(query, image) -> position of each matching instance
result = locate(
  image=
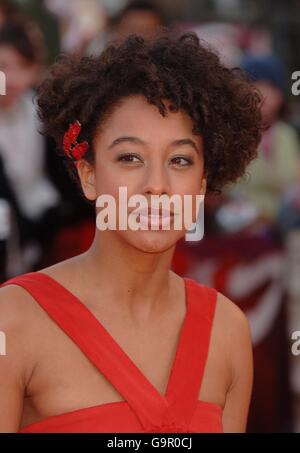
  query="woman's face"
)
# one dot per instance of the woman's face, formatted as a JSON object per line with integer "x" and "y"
{"x": 148, "y": 154}
{"x": 19, "y": 73}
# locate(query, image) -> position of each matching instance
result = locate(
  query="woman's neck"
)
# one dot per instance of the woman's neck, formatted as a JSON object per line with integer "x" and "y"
{"x": 127, "y": 275}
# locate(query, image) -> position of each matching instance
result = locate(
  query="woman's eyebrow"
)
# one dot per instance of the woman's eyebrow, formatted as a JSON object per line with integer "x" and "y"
{"x": 139, "y": 141}
{"x": 136, "y": 140}
{"x": 185, "y": 141}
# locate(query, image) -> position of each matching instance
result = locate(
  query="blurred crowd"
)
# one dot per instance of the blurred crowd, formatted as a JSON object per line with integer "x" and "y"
{"x": 251, "y": 248}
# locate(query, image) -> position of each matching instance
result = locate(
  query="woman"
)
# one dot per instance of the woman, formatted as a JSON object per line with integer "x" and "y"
{"x": 112, "y": 340}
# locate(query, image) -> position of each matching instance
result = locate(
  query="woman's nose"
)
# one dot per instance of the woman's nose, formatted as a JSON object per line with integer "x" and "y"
{"x": 156, "y": 180}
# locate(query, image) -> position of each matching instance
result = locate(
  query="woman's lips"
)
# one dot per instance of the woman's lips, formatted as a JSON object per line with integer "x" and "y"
{"x": 157, "y": 218}
{"x": 156, "y": 221}
{"x": 154, "y": 212}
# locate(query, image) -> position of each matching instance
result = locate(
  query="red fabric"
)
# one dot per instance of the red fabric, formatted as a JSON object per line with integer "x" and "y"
{"x": 144, "y": 409}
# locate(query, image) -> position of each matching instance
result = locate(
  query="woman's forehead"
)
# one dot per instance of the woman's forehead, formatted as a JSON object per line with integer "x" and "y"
{"x": 135, "y": 116}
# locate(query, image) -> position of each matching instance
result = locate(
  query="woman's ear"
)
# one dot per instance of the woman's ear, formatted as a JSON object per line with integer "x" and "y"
{"x": 203, "y": 186}
{"x": 86, "y": 173}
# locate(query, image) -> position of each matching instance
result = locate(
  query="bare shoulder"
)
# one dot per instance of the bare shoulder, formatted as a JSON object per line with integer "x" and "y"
{"x": 236, "y": 337}
{"x": 237, "y": 345}
{"x": 16, "y": 306}
{"x": 21, "y": 323}
{"x": 232, "y": 326}
{"x": 18, "y": 315}
{"x": 233, "y": 319}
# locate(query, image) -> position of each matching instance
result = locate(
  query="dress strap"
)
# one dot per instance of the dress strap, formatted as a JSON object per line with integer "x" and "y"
{"x": 188, "y": 370}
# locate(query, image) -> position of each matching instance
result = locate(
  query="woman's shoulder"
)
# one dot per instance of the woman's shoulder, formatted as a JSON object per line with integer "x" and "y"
{"x": 230, "y": 340}
{"x": 20, "y": 315}
{"x": 229, "y": 317}
{"x": 16, "y": 299}
{"x": 23, "y": 326}
{"x": 14, "y": 302}
{"x": 228, "y": 308}
{"x": 231, "y": 314}
{"x": 17, "y": 303}
{"x": 233, "y": 328}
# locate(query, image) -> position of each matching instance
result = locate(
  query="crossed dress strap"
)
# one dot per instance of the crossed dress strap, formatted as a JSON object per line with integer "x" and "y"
{"x": 152, "y": 409}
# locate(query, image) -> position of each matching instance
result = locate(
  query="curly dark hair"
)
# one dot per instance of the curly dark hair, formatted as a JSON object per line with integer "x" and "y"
{"x": 222, "y": 103}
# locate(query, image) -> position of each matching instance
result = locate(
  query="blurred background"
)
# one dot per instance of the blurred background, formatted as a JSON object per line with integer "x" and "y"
{"x": 251, "y": 248}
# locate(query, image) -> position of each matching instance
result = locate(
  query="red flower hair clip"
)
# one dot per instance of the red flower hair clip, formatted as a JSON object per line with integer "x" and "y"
{"x": 72, "y": 148}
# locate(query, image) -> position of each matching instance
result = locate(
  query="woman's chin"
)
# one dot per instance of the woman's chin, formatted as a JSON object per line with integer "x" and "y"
{"x": 153, "y": 241}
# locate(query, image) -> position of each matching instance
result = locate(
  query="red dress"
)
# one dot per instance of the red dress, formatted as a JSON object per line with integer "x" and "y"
{"x": 144, "y": 409}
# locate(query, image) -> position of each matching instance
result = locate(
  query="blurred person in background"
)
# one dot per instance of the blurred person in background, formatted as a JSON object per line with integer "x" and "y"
{"x": 138, "y": 16}
{"x": 8, "y": 11}
{"x": 7, "y": 201}
{"x": 22, "y": 150}
{"x": 80, "y": 22}
{"x": 276, "y": 168}
{"x": 48, "y": 23}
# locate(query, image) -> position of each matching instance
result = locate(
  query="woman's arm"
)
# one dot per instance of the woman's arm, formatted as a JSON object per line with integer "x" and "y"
{"x": 13, "y": 365}
{"x": 239, "y": 346}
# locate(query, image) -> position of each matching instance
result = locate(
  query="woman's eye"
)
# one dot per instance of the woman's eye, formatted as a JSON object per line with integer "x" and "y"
{"x": 182, "y": 161}
{"x": 128, "y": 158}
